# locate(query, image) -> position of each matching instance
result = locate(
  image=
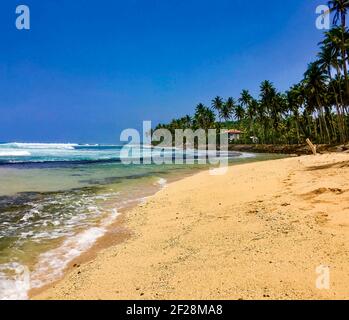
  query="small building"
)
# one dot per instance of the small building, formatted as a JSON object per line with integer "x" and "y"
{"x": 233, "y": 134}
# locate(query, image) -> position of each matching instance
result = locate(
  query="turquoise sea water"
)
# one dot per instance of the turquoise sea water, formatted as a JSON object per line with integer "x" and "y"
{"x": 56, "y": 200}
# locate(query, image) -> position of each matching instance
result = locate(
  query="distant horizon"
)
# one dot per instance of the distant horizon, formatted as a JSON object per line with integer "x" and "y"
{"x": 59, "y": 142}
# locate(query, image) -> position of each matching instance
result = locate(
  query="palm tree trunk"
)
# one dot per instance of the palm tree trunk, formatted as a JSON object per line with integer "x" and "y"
{"x": 339, "y": 115}
{"x": 342, "y": 106}
{"x": 343, "y": 54}
{"x": 323, "y": 119}
{"x": 297, "y": 129}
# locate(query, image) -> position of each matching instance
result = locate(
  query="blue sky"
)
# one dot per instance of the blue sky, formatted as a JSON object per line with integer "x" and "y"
{"x": 88, "y": 69}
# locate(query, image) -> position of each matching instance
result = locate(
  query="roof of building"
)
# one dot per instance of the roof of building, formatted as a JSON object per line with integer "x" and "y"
{"x": 234, "y": 131}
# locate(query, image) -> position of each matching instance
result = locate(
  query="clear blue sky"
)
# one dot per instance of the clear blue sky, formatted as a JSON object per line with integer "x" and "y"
{"x": 87, "y": 69}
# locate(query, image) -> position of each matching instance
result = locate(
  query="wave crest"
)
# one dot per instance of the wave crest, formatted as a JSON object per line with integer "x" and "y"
{"x": 11, "y": 153}
{"x": 21, "y": 145}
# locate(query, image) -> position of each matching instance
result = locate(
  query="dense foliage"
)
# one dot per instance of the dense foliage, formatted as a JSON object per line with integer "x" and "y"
{"x": 317, "y": 107}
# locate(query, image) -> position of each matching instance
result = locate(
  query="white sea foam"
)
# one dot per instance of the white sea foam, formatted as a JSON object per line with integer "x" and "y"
{"x": 162, "y": 182}
{"x": 247, "y": 155}
{"x": 110, "y": 219}
{"x": 12, "y": 153}
{"x": 51, "y": 264}
{"x": 21, "y": 145}
{"x": 14, "y": 281}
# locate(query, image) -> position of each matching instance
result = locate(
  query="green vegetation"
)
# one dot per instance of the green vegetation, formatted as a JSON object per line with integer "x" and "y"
{"x": 315, "y": 108}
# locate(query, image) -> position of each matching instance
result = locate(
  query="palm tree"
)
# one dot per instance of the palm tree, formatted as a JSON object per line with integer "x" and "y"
{"x": 227, "y": 109}
{"x": 296, "y": 100}
{"x": 338, "y": 40}
{"x": 251, "y": 106}
{"x": 245, "y": 98}
{"x": 185, "y": 122}
{"x": 328, "y": 59}
{"x": 204, "y": 117}
{"x": 340, "y": 8}
{"x": 268, "y": 109}
{"x": 217, "y": 104}
{"x": 315, "y": 84}
{"x": 317, "y": 107}
{"x": 239, "y": 112}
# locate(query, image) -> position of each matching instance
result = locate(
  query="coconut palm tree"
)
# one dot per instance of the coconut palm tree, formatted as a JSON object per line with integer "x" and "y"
{"x": 250, "y": 105}
{"x": 340, "y": 9}
{"x": 227, "y": 109}
{"x": 338, "y": 40}
{"x": 328, "y": 59}
{"x": 245, "y": 101}
{"x": 217, "y": 104}
{"x": 204, "y": 117}
{"x": 317, "y": 107}
{"x": 296, "y": 101}
{"x": 245, "y": 98}
{"x": 239, "y": 112}
{"x": 315, "y": 84}
{"x": 269, "y": 106}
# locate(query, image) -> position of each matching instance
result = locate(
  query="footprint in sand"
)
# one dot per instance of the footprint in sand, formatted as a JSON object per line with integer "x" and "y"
{"x": 321, "y": 218}
{"x": 320, "y": 191}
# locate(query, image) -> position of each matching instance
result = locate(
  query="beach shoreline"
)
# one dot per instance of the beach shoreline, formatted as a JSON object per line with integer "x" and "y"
{"x": 258, "y": 232}
{"x": 116, "y": 232}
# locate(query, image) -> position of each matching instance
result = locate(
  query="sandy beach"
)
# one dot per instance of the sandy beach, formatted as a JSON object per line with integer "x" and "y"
{"x": 257, "y": 232}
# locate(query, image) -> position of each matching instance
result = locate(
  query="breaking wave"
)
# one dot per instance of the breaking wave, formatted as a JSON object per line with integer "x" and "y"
{"x": 21, "y": 145}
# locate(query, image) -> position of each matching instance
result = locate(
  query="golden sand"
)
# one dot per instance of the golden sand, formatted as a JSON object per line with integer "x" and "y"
{"x": 257, "y": 232}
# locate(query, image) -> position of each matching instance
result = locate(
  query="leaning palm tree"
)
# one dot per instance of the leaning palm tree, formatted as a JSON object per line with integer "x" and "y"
{"x": 337, "y": 40}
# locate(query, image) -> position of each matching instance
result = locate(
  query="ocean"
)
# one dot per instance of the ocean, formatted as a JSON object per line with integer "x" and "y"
{"x": 57, "y": 200}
